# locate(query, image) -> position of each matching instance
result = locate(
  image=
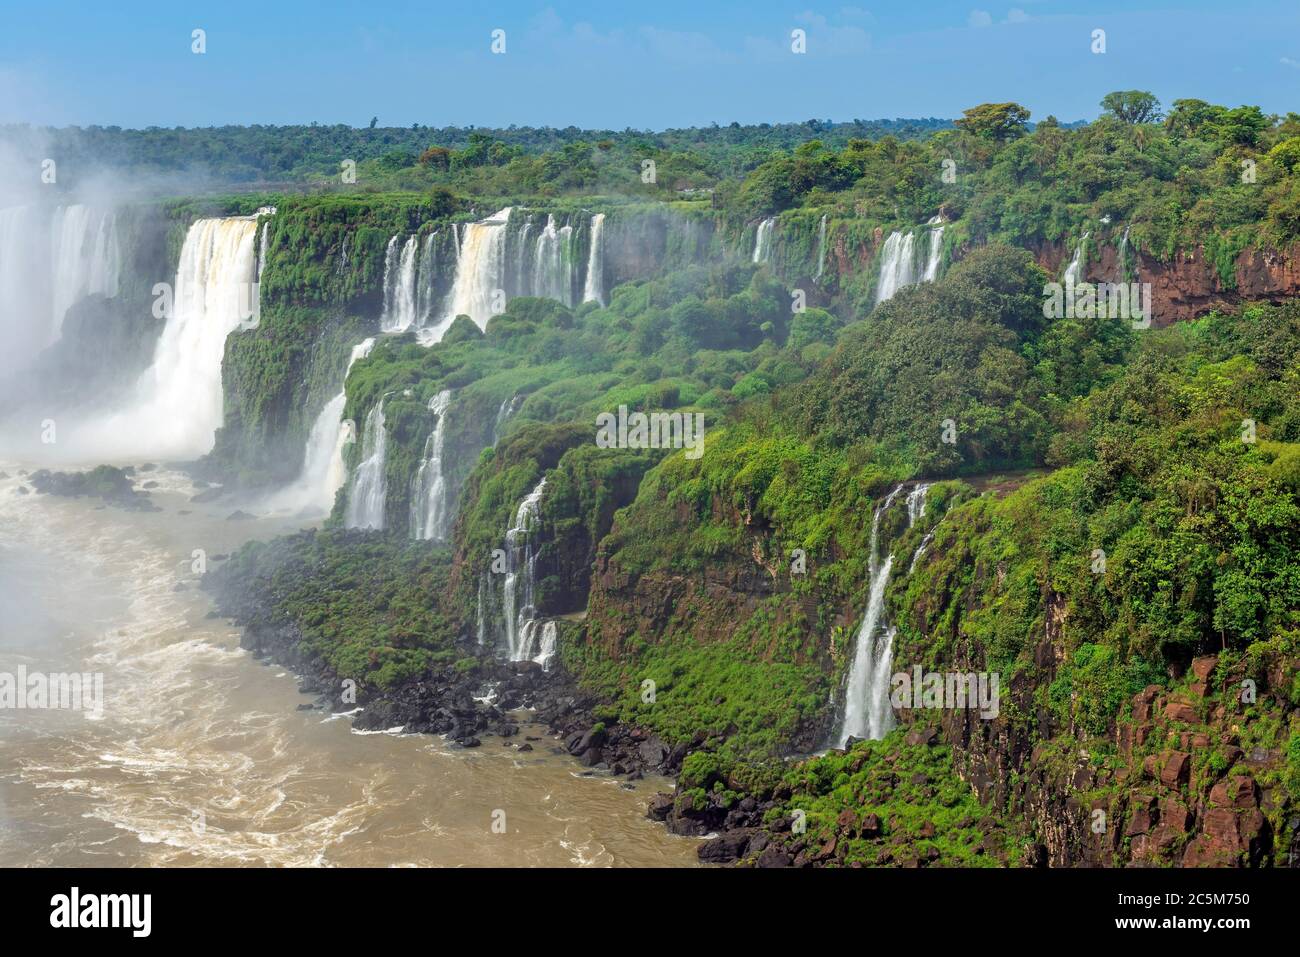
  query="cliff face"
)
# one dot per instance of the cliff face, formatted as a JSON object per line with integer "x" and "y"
{"x": 1189, "y": 285}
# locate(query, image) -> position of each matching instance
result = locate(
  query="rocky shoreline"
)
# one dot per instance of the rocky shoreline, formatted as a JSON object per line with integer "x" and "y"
{"x": 468, "y": 706}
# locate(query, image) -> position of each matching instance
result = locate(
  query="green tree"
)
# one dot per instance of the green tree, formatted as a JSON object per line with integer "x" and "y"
{"x": 1132, "y": 106}
{"x": 995, "y": 121}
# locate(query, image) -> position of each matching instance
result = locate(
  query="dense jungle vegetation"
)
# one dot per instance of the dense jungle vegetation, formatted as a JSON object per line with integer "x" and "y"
{"x": 1172, "y": 454}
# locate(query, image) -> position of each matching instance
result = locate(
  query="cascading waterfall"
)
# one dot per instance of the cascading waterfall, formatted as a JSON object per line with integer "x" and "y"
{"x": 178, "y": 400}
{"x": 1074, "y": 271}
{"x": 517, "y": 590}
{"x": 370, "y": 484}
{"x": 429, "y": 513}
{"x": 509, "y": 407}
{"x": 480, "y": 271}
{"x": 426, "y": 289}
{"x": 261, "y": 250}
{"x": 935, "y": 256}
{"x": 763, "y": 240}
{"x": 324, "y": 471}
{"x": 593, "y": 290}
{"x": 51, "y": 259}
{"x": 399, "y": 284}
{"x": 553, "y": 263}
{"x": 821, "y": 249}
{"x": 85, "y": 256}
{"x": 1122, "y": 256}
{"x": 896, "y": 265}
{"x": 898, "y": 260}
{"x": 867, "y": 712}
{"x": 537, "y": 642}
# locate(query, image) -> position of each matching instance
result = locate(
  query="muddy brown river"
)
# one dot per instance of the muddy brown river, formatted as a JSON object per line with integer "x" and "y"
{"x": 200, "y": 756}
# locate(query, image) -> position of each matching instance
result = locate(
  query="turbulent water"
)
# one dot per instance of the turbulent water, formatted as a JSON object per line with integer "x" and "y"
{"x": 200, "y": 756}
{"x": 430, "y": 516}
{"x": 899, "y": 266}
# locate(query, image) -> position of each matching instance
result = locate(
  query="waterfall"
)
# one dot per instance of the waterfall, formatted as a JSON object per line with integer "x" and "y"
{"x": 821, "y": 249}
{"x": 399, "y": 284}
{"x": 429, "y": 511}
{"x": 867, "y": 712}
{"x": 261, "y": 250}
{"x": 593, "y": 290}
{"x": 896, "y": 266}
{"x": 85, "y": 257}
{"x": 1122, "y": 256}
{"x": 1074, "y": 271}
{"x": 763, "y": 240}
{"x": 916, "y": 504}
{"x": 370, "y": 484}
{"x": 521, "y": 556}
{"x": 323, "y": 470}
{"x": 426, "y": 291}
{"x": 509, "y": 407}
{"x": 178, "y": 402}
{"x": 553, "y": 263}
{"x": 936, "y": 250}
{"x": 480, "y": 274}
{"x": 537, "y": 642}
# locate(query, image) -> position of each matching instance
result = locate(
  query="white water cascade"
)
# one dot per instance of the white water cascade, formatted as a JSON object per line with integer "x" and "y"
{"x": 426, "y": 279}
{"x": 369, "y": 491}
{"x": 429, "y": 512}
{"x": 1074, "y": 271}
{"x": 899, "y": 267}
{"x": 821, "y": 249}
{"x": 51, "y": 259}
{"x": 323, "y": 470}
{"x": 593, "y": 289}
{"x": 86, "y": 257}
{"x": 1122, "y": 256}
{"x": 517, "y": 590}
{"x": 867, "y": 712}
{"x": 553, "y": 263}
{"x": 400, "y": 263}
{"x": 896, "y": 265}
{"x": 935, "y": 255}
{"x": 480, "y": 268}
{"x": 537, "y": 642}
{"x": 508, "y": 408}
{"x": 178, "y": 403}
{"x": 763, "y": 240}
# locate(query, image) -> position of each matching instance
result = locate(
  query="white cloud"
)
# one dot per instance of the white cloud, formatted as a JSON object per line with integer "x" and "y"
{"x": 1288, "y": 61}
{"x": 1016, "y": 15}
{"x": 980, "y": 18}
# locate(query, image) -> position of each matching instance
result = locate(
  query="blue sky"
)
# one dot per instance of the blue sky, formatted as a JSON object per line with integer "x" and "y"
{"x": 613, "y": 65}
